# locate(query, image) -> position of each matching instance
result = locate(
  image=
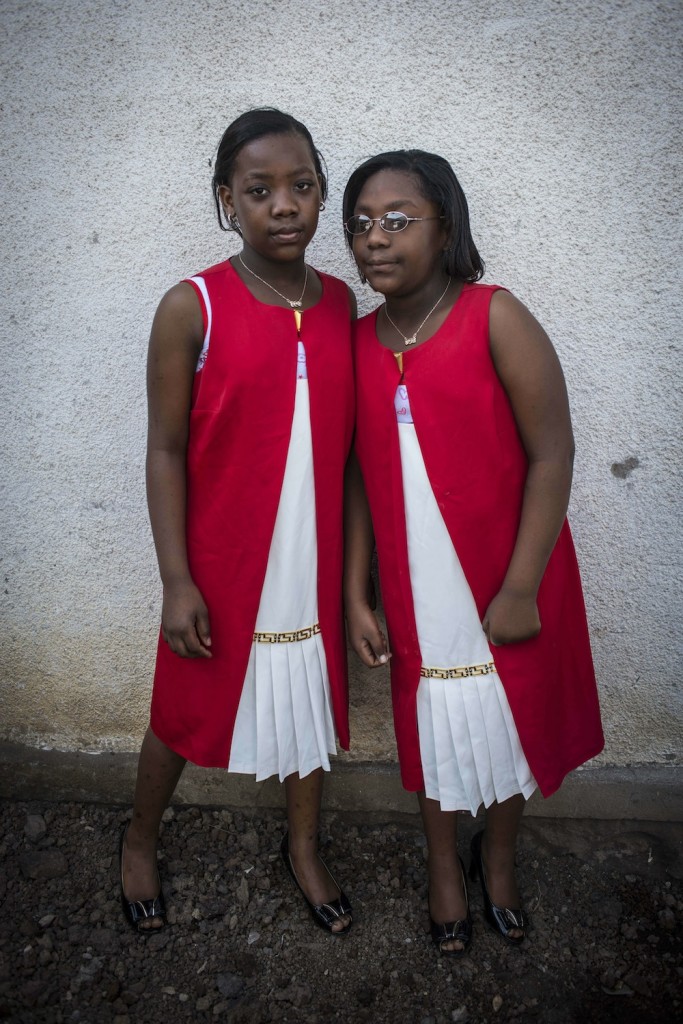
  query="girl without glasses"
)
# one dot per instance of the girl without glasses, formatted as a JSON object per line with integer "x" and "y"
{"x": 245, "y": 465}
{"x": 464, "y": 440}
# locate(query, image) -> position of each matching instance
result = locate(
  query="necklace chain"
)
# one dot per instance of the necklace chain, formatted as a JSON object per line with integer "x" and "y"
{"x": 292, "y": 303}
{"x": 411, "y": 340}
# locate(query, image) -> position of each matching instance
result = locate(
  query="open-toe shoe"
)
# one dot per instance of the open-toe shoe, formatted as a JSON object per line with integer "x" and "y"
{"x": 502, "y": 919}
{"x": 325, "y": 914}
{"x": 453, "y": 931}
{"x": 137, "y": 911}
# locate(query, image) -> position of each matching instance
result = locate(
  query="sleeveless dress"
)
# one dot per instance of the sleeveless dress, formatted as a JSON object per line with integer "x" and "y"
{"x": 266, "y": 455}
{"x": 474, "y": 723}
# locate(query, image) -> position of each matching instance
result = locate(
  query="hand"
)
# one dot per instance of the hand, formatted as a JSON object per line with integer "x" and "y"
{"x": 511, "y": 617}
{"x": 365, "y": 636}
{"x": 185, "y": 621}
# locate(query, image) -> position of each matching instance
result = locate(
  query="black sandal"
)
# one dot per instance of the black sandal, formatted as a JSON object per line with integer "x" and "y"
{"x": 453, "y": 931}
{"x": 327, "y": 913}
{"x": 136, "y": 911}
{"x": 501, "y": 919}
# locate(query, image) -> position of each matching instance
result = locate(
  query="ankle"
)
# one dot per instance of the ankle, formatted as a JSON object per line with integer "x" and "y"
{"x": 303, "y": 844}
{"x": 140, "y": 839}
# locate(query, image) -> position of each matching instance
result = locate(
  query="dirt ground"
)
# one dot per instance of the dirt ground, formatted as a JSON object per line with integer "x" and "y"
{"x": 605, "y": 899}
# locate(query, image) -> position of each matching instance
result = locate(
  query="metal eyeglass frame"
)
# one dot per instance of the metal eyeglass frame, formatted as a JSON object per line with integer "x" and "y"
{"x": 368, "y": 222}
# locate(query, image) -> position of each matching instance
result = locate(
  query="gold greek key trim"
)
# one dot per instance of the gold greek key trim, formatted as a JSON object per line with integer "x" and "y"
{"x": 287, "y": 638}
{"x": 458, "y": 673}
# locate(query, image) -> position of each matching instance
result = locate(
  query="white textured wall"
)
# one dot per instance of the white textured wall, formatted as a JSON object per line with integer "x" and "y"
{"x": 559, "y": 118}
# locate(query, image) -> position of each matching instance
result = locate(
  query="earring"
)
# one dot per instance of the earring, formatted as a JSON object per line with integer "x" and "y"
{"x": 321, "y": 207}
{"x": 234, "y": 223}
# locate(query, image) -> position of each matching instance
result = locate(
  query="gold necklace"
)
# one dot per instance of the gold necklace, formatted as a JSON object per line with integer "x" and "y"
{"x": 293, "y": 303}
{"x": 413, "y": 338}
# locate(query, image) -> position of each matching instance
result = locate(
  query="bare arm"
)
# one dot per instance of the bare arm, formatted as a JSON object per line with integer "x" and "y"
{"x": 530, "y": 372}
{"x": 174, "y": 348}
{"x": 365, "y": 636}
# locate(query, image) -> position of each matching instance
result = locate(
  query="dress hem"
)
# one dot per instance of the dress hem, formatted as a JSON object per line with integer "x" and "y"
{"x": 301, "y": 771}
{"x": 526, "y": 791}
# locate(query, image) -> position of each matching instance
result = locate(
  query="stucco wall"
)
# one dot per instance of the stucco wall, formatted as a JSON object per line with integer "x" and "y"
{"x": 559, "y": 118}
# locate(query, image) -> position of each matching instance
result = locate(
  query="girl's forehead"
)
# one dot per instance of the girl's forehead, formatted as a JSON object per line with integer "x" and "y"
{"x": 273, "y": 153}
{"x": 396, "y": 188}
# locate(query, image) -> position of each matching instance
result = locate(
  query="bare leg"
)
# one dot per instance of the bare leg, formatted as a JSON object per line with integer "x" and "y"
{"x": 158, "y": 772}
{"x": 498, "y": 852}
{"x": 303, "y": 817}
{"x": 447, "y": 899}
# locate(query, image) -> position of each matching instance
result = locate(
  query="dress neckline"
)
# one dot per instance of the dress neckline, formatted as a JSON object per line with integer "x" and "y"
{"x": 271, "y": 305}
{"x": 466, "y": 285}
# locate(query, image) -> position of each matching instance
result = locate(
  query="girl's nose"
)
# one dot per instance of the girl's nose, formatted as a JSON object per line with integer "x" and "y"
{"x": 284, "y": 203}
{"x": 376, "y": 237}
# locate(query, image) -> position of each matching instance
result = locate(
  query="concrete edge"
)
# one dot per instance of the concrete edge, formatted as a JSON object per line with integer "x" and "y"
{"x": 643, "y": 793}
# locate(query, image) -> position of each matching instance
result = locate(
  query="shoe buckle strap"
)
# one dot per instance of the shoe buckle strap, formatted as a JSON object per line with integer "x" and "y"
{"x": 515, "y": 918}
{"x": 148, "y": 908}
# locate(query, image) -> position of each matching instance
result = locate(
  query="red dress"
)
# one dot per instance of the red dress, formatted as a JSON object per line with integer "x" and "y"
{"x": 477, "y": 469}
{"x": 240, "y": 423}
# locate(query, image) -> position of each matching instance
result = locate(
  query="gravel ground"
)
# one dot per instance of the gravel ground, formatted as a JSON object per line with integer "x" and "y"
{"x": 605, "y": 900}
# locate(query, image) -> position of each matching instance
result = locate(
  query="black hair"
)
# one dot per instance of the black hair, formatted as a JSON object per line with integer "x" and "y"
{"x": 249, "y": 127}
{"x": 438, "y": 184}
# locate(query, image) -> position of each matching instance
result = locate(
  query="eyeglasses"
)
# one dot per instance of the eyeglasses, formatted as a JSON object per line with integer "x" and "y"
{"x": 389, "y": 222}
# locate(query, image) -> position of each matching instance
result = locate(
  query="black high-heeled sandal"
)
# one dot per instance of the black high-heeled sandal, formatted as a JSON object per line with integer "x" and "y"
{"x": 327, "y": 913}
{"x": 453, "y": 931}
{"x": 137, "y": 911}
{"x": 502, "y": 919}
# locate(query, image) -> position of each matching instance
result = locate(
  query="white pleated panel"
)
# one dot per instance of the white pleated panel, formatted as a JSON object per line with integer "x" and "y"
{"x": 320, "y": 735}
{"x": 469, "y": 746}
{"x": 471, "y": 754}
{"x": 284, "y": 721}
{"x": 310, "y": 701}
{"x": 289, "y": 599}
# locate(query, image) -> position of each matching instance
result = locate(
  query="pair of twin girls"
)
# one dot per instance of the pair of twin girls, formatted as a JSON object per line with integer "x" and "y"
{"x": 286, "y": 440}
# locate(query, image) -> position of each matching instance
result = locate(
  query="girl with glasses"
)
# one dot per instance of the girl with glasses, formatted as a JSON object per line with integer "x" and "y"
{"x": 464, "y": 440}
{"x": 245, "y": 466}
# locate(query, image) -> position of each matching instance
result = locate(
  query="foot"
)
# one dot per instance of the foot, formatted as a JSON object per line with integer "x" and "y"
{"x": 315, "y": 881}
{"x": 140, "y": 875}
{"x": 509, "y": 921}
{"x": 499, "y": 866}
{"x": 447, "y": 896}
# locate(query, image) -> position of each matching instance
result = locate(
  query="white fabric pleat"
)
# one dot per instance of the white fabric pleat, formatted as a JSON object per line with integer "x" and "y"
{"x": 284, "y": 720}
{"x": 469, "y": 746}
